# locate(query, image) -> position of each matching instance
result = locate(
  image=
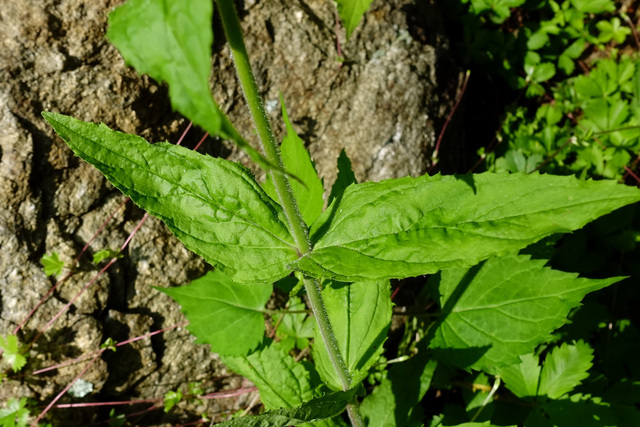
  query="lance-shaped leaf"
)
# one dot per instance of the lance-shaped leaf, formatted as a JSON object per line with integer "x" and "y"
{"x": 171, "y": 42}
{"x": 351, "y": 12}
{"x": 213, "y": 206}
{"x": 501, "y": 309}
{"x": 412, "y": 226}
{"x": 315, "y": 410}
{"x": 308, "y": 191}
{"x": 282, "y": 382}
{"x": 222, "y": 313}
{"x": 360, "y": 315}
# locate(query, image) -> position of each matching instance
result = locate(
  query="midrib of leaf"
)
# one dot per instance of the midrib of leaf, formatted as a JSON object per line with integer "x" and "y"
{"x": 187, "y": 191}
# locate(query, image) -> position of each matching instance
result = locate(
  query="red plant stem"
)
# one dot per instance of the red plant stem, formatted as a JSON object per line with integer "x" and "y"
{"x": 630, "y": 172}
{"x": 184, "y": 133}
{"x": 85, "y": 287}
{"x": 338, "y": 48}
{"x": 117, "y": 403}
{"x": 71, "y": 271}
{"x": 229, "y": 393}
{"x": 129, "y": 341}
{"x": 434, "y": 158}
{"x": 55, "y": 399}
{"x": 201, "y": 141}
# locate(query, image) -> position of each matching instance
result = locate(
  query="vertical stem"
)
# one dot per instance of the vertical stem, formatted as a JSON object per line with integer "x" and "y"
{"x": 233, "y": 32}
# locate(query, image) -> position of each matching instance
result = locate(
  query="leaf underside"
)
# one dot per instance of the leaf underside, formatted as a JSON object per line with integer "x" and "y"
{"x": 214, "y": 206}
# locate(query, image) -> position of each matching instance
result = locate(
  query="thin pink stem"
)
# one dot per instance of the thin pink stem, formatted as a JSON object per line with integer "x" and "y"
{"x": 436, "y": 151}
{"x": 117, "y": 403}
{"x": 55, "y": 399}
{"x": 129, "y": 341}
{"x": 338, "y": 48}
{"x": 630, "y": 172}
{"x": 201, "y": 141}
{"x": 229, "y": 393}
{"x": 184, "y": 133}
{"x": 72, "y": 270}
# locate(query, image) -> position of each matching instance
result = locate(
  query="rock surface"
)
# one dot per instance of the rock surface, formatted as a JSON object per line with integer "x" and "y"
{"x": 384, "y": 105}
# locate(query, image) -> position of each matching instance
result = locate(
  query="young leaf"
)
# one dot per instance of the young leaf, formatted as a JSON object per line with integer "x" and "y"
{"x": 171, "y": 42}
{"x": 317, "y": 409}
{"x": 222, "y": 313}
{"x": 52, "y": 264}
{"x": 522, "y": 378}
{"x": 351, "y": 13}
{"x": 297, "y": 162}
{"x": 390, "y": 404}
{"x": 15, "y": 414}
{"x": 171, "y": 399}
{"x": 501, "y": 309}
{"x": 99, "y": 256}
{"x": 282, "y": 382}
{"x": 213, "y": 206}
{"x": 294, "y": 330}
{"x": 345, "y": 177}
{"x": 11, "y": 352}
{"x": 412, "y": 226}
{"x": 360, "y": 315}
{"x": 564, "y": 369}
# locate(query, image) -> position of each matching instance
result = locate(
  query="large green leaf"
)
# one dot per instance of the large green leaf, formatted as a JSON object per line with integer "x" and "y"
{"x": 295, "y": 157}
{"x": 282, "y": 382}
{"x": 390, "y": 404}
{"x": 360, "y": 315}
{"x": 317, "y": 409}
{"x": 222, "y": 313}
{"x": 501, "y": 309}
{"x": 213, "y": 206}
{"x": 171, "y": 42}
{"x": 351, "y": 12}
{"x": 412, "y": 226}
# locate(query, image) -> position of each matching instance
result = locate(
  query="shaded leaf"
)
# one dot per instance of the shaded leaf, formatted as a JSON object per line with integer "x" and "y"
{"x": 391, "y": 403}
{"x": 213, "y": 206}
{"x": 407, "y": 227}
{"x": 360, "y": 315}
{"x": 522, "y": 378}
{"x": 282, "y": 382}
{"x": 222, "y": 313}
{"x": 317, "y": 409}
{"x": 294, "y": 330}
{"x": 501, "y": 309}
{"x": 345, "y": 177}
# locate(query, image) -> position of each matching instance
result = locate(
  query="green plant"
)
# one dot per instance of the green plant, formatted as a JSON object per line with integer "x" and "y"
{"x": 497, "y": 305}
{"x": 590, "y": 128}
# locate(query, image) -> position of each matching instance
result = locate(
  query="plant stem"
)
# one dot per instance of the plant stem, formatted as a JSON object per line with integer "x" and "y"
{"x": 299, "y": 231}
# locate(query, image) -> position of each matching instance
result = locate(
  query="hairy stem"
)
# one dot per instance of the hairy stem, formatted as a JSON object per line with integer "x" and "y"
{"x": 298, "y": 228}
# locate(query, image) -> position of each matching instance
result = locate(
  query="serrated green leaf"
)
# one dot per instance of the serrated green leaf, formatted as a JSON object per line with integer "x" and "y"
{"x": 345, "y": 177}
{"x": 564, "y": 369}
{"x": 317, "y": 409}
{"x": 390, "y": 403}
{"x": 593, "y": 6}
{"x": 282, "y": 382}
{"x": 360, "y": 315}
{"x": 225, "y": 314}
{"x": 171, "y": 42}
{"x": 294, "y": 329}
{"x": 51, "y": 264}
{"x": 412, "y": 226}
{"x": 213, "y": 206}
{"x": 501, "y": 309}
{"x": 351, "y": 13}
{"x": 15, "y": 414}
{"x": 522, "y": 378}
{"x": 297, "y": 162}
{"x": 11, "y": 352}
{"x": 171, "y": 399}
